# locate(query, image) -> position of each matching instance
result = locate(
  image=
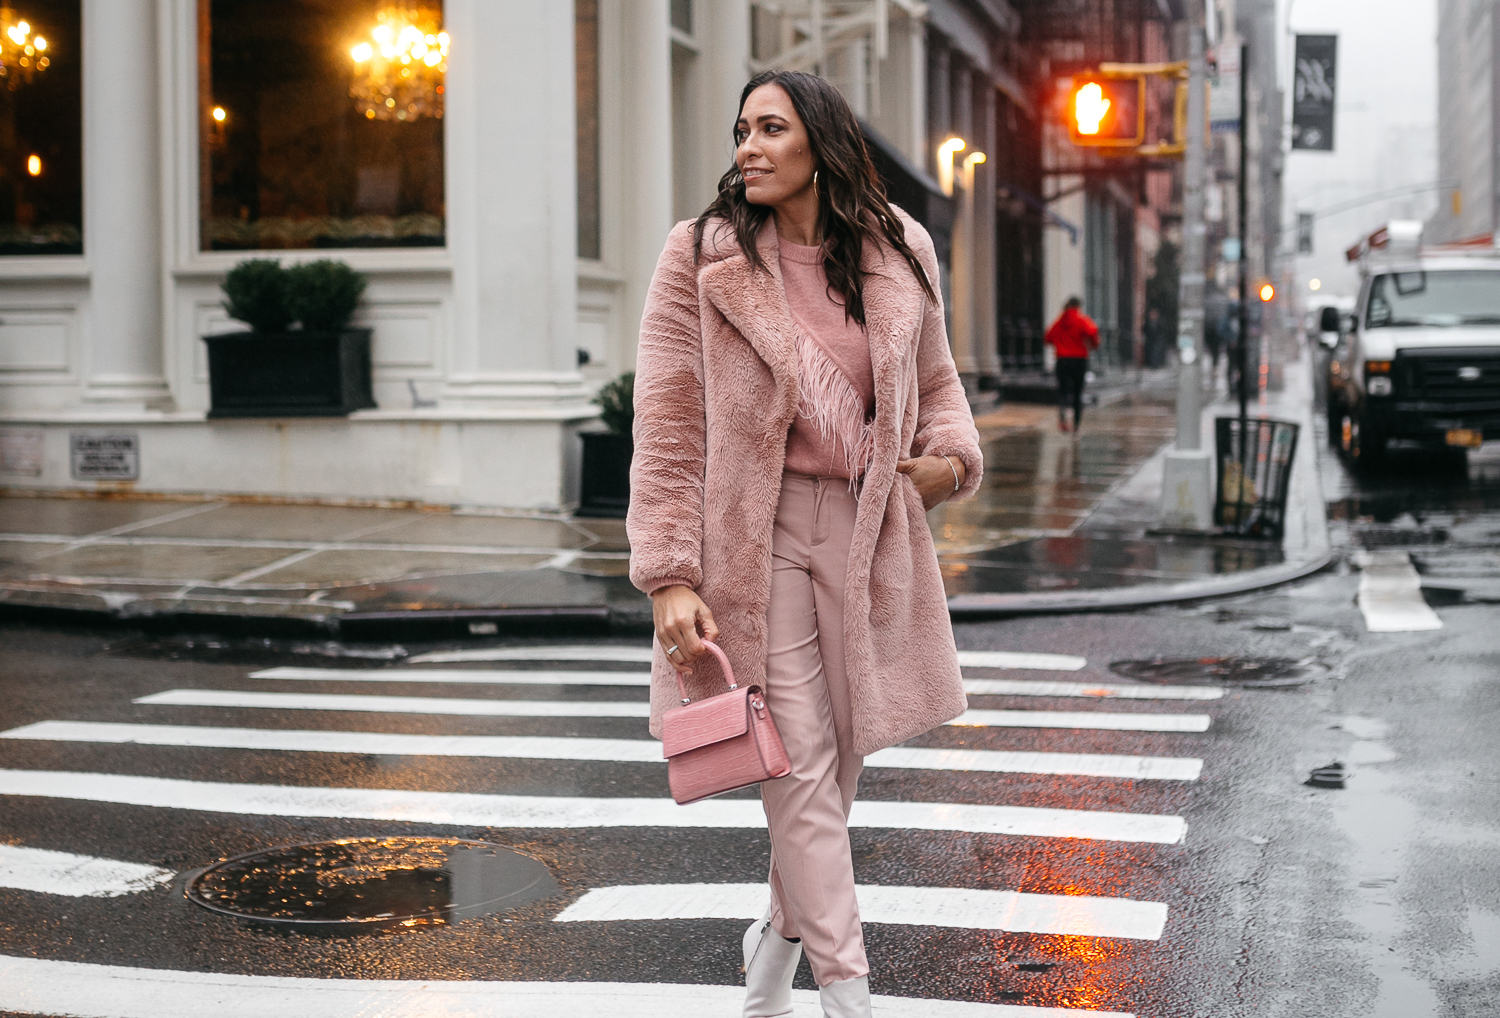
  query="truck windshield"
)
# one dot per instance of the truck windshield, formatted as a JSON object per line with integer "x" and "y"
{"x": 1447, "y": 298}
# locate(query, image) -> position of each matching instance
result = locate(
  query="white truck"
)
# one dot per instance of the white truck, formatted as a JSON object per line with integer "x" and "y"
{"x": 1419, "y": 359}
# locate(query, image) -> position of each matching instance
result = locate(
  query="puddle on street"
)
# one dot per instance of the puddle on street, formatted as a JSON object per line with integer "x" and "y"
{"x": 371, "y": 883}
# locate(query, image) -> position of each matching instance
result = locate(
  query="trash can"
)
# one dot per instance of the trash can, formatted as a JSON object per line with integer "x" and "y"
{"x": 1255, "y": 473}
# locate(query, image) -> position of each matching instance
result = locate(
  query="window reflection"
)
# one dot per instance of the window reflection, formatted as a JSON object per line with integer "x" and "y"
{"x": 41, "y": 129}
{"x": 321, "y": 124}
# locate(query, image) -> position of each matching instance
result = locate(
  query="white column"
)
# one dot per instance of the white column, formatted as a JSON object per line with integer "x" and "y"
{"x": 962, "y": 315}
{"x": 986, "y": 346}
{"x": 122, "y": 228}
{"x": 512, "y": 207}
{"x": 646, "y": 132}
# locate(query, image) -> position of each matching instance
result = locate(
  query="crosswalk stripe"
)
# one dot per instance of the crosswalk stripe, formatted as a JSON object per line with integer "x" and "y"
{"x": 1095, "y": 765}
{"x": 470, "y": 809}
{"x": 1022, "y": 687}
{"x": 595, "y": 652}
{"x": 77, "y": 876}
{"x": 399, "y": 704}
{"x": 503, "y": 677}
{"x": 1011, "y": 659}
{"x": 461, "y": 676}
{"x": 952, "y": 907}
{"x": 613, "y": 750}
{"x": 1083, "y": 719}
{"x": 616, "y": 709}
{"x": 642, "y": 655}
{"x": 40, "y": 986}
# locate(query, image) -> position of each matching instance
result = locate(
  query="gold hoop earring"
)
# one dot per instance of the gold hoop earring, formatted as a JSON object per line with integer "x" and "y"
{"x": 815, "y": 184}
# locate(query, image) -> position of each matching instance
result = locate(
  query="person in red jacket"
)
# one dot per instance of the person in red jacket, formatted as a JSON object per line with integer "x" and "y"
{"x": 1073, "y": 335}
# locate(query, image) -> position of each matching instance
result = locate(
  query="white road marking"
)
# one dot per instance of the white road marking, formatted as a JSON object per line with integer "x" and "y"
{"x": 1022, "y": 687}
{"x": 594, "y": 652}
{"x": 615, "y": 709}
{"x": 468, "y": 809}
{"x": 642, "y": 655}
{"x": 78, "y": 876}
{"x": 1010, "y": 659}
{"x": 953, "y": 907}
{"x": 1082, "y": 719}
{"x": 1390, "y": 594}
{"x": 462, "y": 676}
{"x": 613, "y": 750}
{"x": 503, "y": 677}
{"x": 398, "y": 704}
{"x": 1097, "y": 765}
{"x": 38, "y": 986}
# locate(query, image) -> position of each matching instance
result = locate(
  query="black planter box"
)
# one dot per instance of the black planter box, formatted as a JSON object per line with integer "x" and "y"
{"x": 289, "y": 374}
{"x": 605, "y": 490}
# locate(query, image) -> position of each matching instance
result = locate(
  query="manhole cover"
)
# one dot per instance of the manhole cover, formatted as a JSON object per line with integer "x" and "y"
{"x": 1236, "y": 671}
{"x": 372, "y": 882}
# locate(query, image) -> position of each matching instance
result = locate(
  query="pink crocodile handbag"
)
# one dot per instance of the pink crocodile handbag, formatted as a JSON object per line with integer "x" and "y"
{"x": 721, "y": 743}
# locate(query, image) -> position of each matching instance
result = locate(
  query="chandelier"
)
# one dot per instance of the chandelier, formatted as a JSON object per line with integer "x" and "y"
{"x": 398, "y": 73}
{"x": 22, "y": 54}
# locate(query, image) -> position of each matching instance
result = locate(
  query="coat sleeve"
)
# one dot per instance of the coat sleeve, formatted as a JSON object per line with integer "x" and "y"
{"x": 665, "y": 519}
{"x": 945, "y": 424}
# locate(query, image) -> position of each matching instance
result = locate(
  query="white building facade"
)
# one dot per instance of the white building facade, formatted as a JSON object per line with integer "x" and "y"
{"x": 508, "y": 224}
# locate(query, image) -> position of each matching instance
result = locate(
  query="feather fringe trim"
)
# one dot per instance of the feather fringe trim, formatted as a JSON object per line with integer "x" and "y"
{"x": 828, "y": 399}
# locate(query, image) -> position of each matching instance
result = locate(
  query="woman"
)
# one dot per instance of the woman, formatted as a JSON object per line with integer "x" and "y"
{"x": 797, "y": 412}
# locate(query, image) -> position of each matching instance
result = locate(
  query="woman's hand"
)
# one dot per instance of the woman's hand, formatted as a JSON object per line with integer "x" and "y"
{"x": 683, "y": 622}
{"x": 933, "y": 476}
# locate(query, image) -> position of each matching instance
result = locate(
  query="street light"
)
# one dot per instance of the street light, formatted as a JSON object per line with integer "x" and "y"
{"x": 1267, "y": 293}
{"x": 945, "y": 153}
{"x": 1315, "y": 284}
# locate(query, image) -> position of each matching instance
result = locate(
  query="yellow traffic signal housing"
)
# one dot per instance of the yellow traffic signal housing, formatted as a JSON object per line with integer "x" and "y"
{"x": 1108, "y": 110}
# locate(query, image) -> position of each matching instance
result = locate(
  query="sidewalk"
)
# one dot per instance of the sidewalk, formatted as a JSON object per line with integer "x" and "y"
{"x": 1060, "y": 525}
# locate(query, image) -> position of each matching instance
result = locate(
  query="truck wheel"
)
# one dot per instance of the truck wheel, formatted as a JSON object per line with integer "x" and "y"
{"x": 1367, "y": 446}
{"x": 1335, "y": 424}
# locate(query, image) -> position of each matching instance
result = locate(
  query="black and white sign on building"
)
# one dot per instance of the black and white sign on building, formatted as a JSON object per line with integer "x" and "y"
{"x": 1313, "y": 92}
{"x": 105, "y": 457}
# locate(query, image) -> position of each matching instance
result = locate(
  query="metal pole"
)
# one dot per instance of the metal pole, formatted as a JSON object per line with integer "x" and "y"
{"x": 1187, "y": 502}
{"x": 1190, "y": 293}
{"x": 1244, "y": 230}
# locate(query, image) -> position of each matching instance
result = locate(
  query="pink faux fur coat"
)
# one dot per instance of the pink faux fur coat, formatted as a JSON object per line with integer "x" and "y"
{"x": 715, "y": 394}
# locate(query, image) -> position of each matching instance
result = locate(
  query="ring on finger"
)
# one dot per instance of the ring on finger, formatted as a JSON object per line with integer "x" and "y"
{"x": 671, "y": 650}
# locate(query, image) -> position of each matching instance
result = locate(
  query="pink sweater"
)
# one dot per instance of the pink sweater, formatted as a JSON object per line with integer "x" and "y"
{"x": 833, "y": 434}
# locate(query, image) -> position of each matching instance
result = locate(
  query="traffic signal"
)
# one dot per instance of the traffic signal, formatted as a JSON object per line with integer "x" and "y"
{"x": 1108, "y": 111}
{"x": 1267, "y": 292}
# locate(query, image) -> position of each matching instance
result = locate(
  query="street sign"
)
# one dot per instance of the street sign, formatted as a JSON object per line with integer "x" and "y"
{"x": 1106, "y": 111}
{"x": 1304, "y": 233}
{"x": 1313, "y": 92}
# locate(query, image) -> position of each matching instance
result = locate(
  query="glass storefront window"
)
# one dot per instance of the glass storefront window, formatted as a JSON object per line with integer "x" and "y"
{"x": 321, "y": 124}
{"x": 41, "y": 128}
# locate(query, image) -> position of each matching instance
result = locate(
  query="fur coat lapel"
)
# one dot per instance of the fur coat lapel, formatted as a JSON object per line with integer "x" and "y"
{"x": 754, "y": 302}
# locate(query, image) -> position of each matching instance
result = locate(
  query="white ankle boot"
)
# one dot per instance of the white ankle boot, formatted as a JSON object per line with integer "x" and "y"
{"x": 770, "y": 963}
{"x": 847, "y": 998}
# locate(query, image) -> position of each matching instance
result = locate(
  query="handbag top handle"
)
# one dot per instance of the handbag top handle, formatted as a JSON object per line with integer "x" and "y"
{"x": 723, "y": 661}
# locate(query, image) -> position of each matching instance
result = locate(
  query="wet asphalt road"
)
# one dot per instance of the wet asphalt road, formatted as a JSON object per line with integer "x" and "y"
{"x": 1381, "y": 898}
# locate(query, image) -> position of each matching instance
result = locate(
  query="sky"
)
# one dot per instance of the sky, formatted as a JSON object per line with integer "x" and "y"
{"x": 1385, "y": 132}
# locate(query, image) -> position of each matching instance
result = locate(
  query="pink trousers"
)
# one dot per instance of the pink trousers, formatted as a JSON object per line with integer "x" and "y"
{"x": 812, "y": 872}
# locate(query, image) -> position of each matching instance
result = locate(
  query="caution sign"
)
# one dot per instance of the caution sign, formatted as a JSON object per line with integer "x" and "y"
{"x": 105, "y": 457}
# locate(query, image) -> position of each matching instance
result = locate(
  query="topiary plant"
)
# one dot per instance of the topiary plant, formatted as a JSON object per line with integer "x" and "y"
{"x": 256, "y": 292}
{"x": 322, "y": 295}
{"x": 616, "y": 403}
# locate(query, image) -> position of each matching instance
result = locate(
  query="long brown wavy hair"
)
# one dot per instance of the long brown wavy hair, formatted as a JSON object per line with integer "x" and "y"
{"x": 852, "y": 207}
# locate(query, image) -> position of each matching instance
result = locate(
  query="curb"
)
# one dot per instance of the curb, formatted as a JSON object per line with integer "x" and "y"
{"x": 974, "y": 607}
